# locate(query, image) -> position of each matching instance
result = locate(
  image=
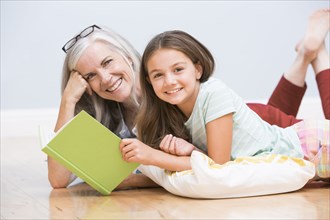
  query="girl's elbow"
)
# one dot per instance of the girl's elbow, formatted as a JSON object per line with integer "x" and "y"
{"x": 221, "y": 161}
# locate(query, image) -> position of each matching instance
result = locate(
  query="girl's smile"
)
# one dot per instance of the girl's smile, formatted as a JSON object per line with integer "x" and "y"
{"x": 174, "y": 78}
{"x": 173, "y": 91}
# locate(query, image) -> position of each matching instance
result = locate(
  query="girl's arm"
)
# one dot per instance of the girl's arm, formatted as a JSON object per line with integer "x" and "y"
{"x": 177, "y": 146}
{"x": 134, "y": 150}
{"x": 219, "y": 141}
{"x": 219, "y": 138}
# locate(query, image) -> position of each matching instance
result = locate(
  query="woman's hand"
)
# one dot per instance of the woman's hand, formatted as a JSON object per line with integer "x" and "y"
{"x": 176, "y": 146}
{"x": 76, "y": 87}
{"x": 134, "y": 150}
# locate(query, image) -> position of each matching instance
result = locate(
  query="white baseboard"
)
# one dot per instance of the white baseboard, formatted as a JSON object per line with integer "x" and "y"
{"x": 25, "y": 122}
{"x": 310, "y": 108}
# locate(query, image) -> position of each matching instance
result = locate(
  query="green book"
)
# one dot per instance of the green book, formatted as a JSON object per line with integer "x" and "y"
{"x": 90, "y": 151}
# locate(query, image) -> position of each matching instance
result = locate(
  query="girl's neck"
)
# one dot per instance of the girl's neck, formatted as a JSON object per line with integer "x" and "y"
{"x": 188, "y": 107}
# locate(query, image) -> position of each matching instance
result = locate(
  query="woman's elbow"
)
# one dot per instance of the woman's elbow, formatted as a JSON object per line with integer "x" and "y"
{"x": 57, "y": 184}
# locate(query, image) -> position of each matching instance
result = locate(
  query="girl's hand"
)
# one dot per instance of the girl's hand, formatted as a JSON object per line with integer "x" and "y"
{"x": 177, "y": 146}
{"x": 76, "y": 87}
{"x": 134, "y": 150}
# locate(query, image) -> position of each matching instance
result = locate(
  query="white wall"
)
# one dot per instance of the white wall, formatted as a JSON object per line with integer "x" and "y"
{"x": 252, "y": 41}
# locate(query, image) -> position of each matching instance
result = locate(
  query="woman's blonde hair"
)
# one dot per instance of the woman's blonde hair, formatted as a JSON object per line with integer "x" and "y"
{"x": 157, "y": 118}
{"x": 105, "y": 111}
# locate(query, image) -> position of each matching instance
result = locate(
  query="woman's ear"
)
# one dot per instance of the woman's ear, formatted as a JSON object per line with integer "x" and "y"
{"x": 130, "y": 61}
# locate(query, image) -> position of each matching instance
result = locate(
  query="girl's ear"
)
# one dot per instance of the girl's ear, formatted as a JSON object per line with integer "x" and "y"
{"x": 199, "y": 70}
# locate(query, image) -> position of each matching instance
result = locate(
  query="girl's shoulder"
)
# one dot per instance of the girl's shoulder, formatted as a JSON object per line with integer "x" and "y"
{"x": 213, "y": 84}
{"x": 216, "y": 88}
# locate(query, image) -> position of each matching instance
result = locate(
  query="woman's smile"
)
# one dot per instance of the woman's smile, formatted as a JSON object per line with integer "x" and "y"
{"x": 115, "y": 85}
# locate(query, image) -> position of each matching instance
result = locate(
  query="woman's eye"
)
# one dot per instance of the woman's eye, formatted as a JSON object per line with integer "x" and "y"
{"x": 89, "y": 76}
{"x": 107, "y": 62}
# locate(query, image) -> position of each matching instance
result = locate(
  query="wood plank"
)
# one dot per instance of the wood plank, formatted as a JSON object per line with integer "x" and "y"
{"x": 80, "y": 201}
{"x": 16, "y": 204}
{"x": 26, "y": 194}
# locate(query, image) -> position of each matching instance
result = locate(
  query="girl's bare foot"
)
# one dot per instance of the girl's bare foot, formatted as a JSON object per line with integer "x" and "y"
{"x": 310, "y": 47}
{"x": 317, "y": 29}
{"x": 322, "y": 60}
{"x": 318, "y": 26}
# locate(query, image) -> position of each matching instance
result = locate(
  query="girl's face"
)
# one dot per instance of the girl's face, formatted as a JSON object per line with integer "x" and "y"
{"x": 174, "y": 78}
{"x": 106, "y": 71}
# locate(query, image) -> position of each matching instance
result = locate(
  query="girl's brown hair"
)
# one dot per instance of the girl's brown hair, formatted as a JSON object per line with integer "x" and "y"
{"x": 157, "y": 118}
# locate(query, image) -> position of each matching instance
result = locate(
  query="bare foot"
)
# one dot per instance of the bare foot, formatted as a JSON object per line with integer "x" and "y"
{"x": 321, "y": 61}
{"x": 317, "y": 29}
{"x": 311, "y": 48}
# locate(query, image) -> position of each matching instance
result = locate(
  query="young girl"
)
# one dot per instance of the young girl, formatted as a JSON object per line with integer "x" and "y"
{"x": 181, "y": 99}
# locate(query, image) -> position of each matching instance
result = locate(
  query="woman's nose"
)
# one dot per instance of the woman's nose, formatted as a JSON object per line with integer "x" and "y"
{"x": 105, "y": 78}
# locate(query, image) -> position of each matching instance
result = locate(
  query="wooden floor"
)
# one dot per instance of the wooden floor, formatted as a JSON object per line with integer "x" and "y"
{"x": 26, "y": 194}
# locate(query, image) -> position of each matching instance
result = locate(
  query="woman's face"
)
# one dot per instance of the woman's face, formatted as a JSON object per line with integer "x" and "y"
{"x": 107, "y": 72}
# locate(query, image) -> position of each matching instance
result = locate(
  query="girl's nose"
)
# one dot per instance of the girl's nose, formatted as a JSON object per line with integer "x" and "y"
{"x": 169, "y": 78}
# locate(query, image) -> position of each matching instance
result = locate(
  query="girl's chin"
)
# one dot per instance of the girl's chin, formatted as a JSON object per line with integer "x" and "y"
{"x": 171, "y": 101}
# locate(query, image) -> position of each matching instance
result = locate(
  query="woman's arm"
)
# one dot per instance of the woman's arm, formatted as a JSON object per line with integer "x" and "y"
{"x": 136, "y": 181}
{"x": 219, "y": 138}
{"x": 58, "y": 175}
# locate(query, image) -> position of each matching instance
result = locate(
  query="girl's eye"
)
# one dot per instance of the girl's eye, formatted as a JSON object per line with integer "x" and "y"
{"x": 176, "y": 70}
{"x": 157, "y": 75}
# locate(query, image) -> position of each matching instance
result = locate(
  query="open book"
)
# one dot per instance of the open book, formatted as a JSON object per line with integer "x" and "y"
{"x": 90, "y": 151}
